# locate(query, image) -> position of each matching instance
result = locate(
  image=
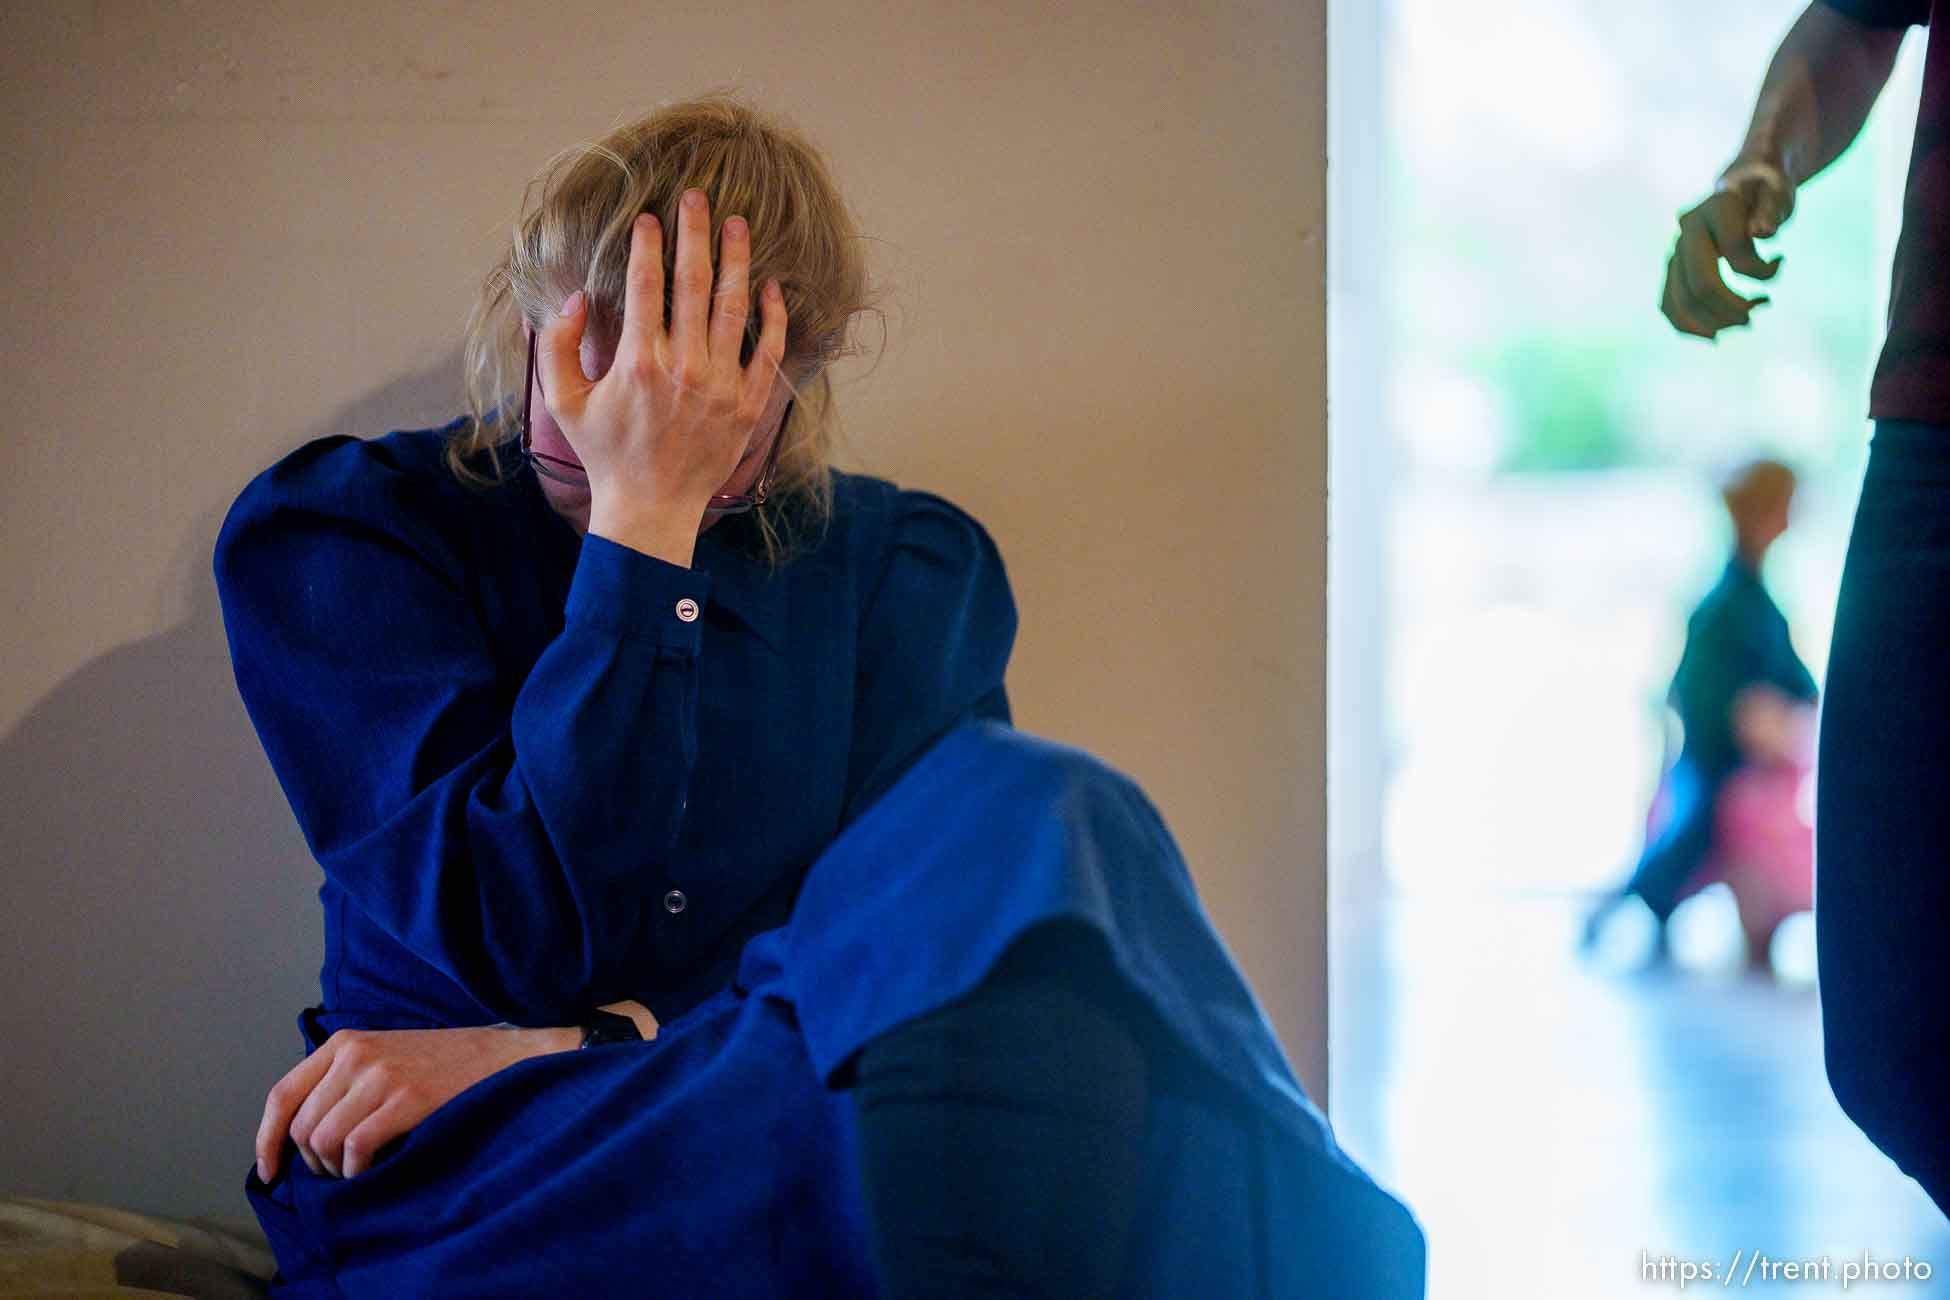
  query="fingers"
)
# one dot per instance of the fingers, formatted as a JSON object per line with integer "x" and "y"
{"x": 325, "y": 1094}
{"x": 770, "y": 353}
{"x": 709, "y": 309}
{"x": 1706, "y": 294}
{"x": 1762, "y": 192}
{"x": 558, "y": 360}
{"x": 1727, "y": 225}
{"x": 365, "y": 1097}
{"x": 643, "y": 288}
{"x": 733, "y": 299}
{"x": 391, "y": 1119}
{"x": 281, "y": 1105}
{"x": 1673, "y": 304}
{"x": 690, "y": 302}
{"x": 1768, "y": 208}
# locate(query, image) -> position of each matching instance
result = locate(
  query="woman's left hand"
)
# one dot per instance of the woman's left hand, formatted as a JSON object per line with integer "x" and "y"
{"x": 363, "y": 1088}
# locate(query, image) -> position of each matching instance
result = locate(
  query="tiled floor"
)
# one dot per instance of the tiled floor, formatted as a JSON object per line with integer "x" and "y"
{"x": 1550, "y": 1117}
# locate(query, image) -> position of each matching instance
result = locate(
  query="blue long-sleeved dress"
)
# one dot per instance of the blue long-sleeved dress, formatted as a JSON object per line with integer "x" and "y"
{"x": 786, "y": 812}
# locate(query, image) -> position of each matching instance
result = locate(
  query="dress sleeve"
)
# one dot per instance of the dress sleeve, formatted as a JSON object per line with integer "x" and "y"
{"x": 934, "y": 643}
{"x": 1883, "y": 13}
{"x": 514, "y": 837}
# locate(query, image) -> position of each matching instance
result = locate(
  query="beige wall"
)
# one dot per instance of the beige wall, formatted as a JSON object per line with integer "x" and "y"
{"x": 231, "y": 227}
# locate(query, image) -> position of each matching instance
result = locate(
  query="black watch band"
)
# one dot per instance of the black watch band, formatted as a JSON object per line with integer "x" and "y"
{"x": 599, "y": 1027}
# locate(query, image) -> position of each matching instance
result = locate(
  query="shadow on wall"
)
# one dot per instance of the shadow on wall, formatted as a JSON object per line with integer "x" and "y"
{"x": 159, "y": 929}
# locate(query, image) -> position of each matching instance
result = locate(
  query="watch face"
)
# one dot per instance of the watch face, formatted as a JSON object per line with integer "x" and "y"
{"x": 608, "y": 1027}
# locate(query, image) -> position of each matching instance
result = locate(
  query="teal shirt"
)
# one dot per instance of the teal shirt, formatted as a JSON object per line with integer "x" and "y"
{"x": 1736, "y": 638}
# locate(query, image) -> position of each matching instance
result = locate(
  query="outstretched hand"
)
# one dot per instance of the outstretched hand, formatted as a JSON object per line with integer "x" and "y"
{"x": 1752, "y": 201}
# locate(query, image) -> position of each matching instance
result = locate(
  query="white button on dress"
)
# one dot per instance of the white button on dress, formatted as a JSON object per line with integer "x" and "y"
{"x": 687, "y": 610}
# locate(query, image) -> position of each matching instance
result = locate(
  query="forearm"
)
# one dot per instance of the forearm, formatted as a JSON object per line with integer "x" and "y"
{"x": 1818, "y": 92}
{"x": 668, "y": 532}
{"x": 543, "y": 1042}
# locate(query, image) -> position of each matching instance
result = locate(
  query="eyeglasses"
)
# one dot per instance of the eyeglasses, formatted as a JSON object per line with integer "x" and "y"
{"x": 573, "y": 474}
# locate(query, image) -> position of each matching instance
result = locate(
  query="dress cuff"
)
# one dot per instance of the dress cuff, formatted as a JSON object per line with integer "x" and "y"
{"x": 630, "y": 594}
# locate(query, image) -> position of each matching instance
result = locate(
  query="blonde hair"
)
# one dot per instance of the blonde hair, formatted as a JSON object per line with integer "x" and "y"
{"x": 748, "y": 164}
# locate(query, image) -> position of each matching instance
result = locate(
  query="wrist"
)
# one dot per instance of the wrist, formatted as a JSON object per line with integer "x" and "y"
{"x": 543, "y": 1041}
{"x": 1759, "y": 149}
{"x": 540, "y": 1042}
{"x": 1748, "y": 167}
{"x": 664, "y": 530}
{"x": 1780, "y": 140}
{"x": 546, "y": 1042}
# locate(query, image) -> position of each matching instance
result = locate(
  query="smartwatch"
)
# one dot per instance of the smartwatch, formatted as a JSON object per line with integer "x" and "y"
{"x": 600, "y": 1027}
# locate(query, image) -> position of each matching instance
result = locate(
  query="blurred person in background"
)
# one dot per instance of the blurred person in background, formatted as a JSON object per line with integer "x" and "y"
{"x": 1725, "y": 809}
{"x": 1882, "y": 897}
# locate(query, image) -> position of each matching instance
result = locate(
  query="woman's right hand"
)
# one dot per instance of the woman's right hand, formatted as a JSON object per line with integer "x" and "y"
{"x": 363, "y": 1088}
{"x": 667, "y": 424}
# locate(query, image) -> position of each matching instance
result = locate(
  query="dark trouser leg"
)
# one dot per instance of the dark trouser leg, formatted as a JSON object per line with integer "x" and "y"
{"x": 1882, "y": 837}
{"x": 1000, "y": 1137}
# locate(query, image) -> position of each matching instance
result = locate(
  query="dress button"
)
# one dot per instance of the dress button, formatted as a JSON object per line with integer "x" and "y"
{"x": 687, "y": 610}
{"x": 675, "y": 902}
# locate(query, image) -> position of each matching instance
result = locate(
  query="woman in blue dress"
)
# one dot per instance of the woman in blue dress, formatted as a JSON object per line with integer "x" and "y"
{"x": 696, "y": 923}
